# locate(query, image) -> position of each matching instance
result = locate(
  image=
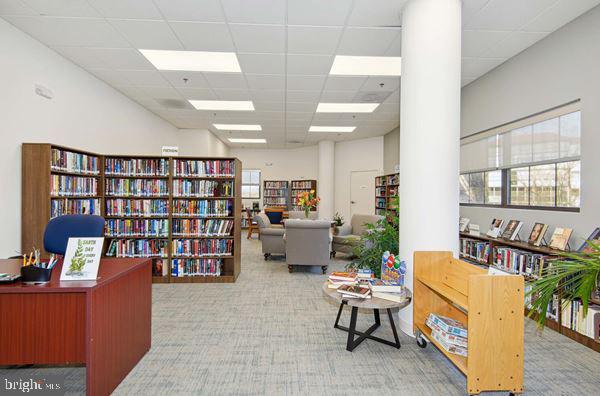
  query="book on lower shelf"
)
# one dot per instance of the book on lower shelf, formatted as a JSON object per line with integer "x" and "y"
{"x": 184, "y": 267}
{"x": 521, "y": 262}
{"x": 475, "y": 249}
{"x": 138, "y": 248}
{"x": 159, "y": 267}
{"x": 202, "y": 208}
{"x": 449, "y": 325}
{"x": 450, "y": 334}
{"x": 202, "y": 227}
{"x": 66, "y": 186}
{"x": 137, "y": 228}
{"x": 572, "y": 317}
{"x": 182, "y": 247}
{"x": 136, "y": 187}
{"x": 67, "y": 206}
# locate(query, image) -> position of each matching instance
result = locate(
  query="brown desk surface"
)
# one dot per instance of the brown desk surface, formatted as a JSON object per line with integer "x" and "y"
{"x": 110, "y": 269}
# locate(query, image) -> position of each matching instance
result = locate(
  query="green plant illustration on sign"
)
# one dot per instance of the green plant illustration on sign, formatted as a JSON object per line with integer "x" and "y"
{"x": 78, "y": 260}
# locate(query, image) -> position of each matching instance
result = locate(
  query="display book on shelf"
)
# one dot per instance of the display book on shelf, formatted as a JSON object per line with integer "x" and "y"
{"x": 184, "y": 216}
{"x": 276, "y": 193}
{"x": 529, "y": 259}
{"x": 386, "y": 188}
{"x": 300, "y": 186}
{"x": 489, "y": 306}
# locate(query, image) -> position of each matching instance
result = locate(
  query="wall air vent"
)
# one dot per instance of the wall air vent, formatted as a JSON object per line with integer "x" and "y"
{"x": 371, "y": 96}
{"x": 174, "y": 104}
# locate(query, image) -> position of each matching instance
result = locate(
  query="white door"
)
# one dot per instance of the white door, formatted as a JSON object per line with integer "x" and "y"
{"x": 362, "y": 192}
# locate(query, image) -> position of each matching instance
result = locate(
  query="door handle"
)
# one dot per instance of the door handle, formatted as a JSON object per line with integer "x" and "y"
{"x": 352, "y": 202}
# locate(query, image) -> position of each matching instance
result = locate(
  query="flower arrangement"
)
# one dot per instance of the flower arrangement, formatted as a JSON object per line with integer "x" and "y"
{"x": 307, "y": 200}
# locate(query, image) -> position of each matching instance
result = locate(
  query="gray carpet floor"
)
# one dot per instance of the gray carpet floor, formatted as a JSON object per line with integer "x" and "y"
{"x": 271, "y": 333}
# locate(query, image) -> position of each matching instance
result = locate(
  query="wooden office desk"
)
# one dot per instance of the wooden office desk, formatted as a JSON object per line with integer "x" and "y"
{"x": 104, "y": 324}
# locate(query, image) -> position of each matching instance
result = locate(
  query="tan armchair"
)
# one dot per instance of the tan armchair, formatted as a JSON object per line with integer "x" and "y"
{"x": 307, "y": 242}
{"x": 271, "y": 236}
{"x": 348, "y": 235}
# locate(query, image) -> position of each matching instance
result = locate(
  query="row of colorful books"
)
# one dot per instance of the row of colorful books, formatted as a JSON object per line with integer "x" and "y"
{"x": 137, "y": 227}
{"x": 380, "y": 191}
{"x": 202, "y": 188}
{"x": 136, "y": 167}
{"x": 64, "y": 186}
{"x": 301, "y": 185}
{"x": 276, "y": 185}
{"x": 67, "y": 161}
{"x": 137, "y": 187}
{"x": 475, "y": 249}
{"x": 573, "y": 318}
{"x": 196, "y": 267}
{"x": 380, "y": 202}
{"x": 450, "y": 334}
{"x": 275, "y": 201}
{"x": 275, "y": 193}
{"x": 210, "y": 227}
{"x": 137, "y": 207}
{"x": 202, "y": 208}
{"x": 137, "y": 248}
{"x": 520, "y": 262}
{"x": 202, "y": 247}
{"x": 214, "y": 168}
{"x": 60, "y": 207}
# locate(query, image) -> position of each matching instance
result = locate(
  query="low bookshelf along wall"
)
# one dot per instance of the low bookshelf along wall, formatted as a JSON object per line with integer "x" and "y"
{"x": 183, "y": 212}
{"x": 516, "y": 257}
{"x": 300, "y": 186}
{"x": 386, "y": 188}
{"x": 276, "y": 194}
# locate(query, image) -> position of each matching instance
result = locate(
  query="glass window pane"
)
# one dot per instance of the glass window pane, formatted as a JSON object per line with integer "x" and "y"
{"x": 245, "y": 191}
{"x": 570, "y": 132}
{"x": 545, "y": 140}
{"x": 517, "y": 146}
{"x": 493, "y": 187}
{"x": 543, "y": 185}
{"x": 568, "y": 188}
{"x": 463, "y": 182}
{"x": 255, "y": 191}
{"x": 246, "y": 176}
{"x": 519, "y": 186}
{"x": 255, "y": 177}
{"x": 476, "y": 187}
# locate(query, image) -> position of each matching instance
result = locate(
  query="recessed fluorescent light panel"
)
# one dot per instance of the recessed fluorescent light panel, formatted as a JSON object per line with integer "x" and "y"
{"x": 240, "y": 140}
{"x": 225, "y": 62}
{"x": 346, "y": 107}
{"x": 314, "y": 128}
{"x": 366, "y": 66}
{"x": 237, "y": 127}
{"x": 232, "y": 105}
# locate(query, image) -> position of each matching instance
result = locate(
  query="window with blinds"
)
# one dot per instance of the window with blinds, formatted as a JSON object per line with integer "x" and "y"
{"x": 533, "y": 162}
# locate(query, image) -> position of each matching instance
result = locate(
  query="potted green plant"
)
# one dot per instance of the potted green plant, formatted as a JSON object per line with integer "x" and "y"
{"x": 575, "y": 276}
{"x": 338, "y": 220}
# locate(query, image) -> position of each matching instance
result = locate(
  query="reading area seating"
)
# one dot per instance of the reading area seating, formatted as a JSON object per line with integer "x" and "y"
{"x": 271, "y": 236}
{"x": 348, "y": 235}
{"x": 307, "y": 242}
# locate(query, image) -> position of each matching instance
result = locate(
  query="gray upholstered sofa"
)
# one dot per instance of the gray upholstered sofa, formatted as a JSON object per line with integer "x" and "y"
{"x": 271, "y": 236}
{"x": 307, "y": 242}
{"x": 348, "y": 235}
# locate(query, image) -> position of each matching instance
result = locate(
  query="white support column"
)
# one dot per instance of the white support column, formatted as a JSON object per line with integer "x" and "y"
{"x": 325, "y": 185}
{"x": 429, "y": 132}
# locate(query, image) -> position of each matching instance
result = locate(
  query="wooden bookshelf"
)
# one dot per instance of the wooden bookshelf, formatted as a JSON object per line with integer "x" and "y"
{"x": 491, "y": 306}
{"x": 299, "y": 186}
{"x": 386, "y": 188}
{"x": 555, "y": 325}
{"x": 276, "y": 194}
{"x": 37, "y": 197}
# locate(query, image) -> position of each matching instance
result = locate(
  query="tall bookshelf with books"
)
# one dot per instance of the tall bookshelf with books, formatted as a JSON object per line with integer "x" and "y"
{"x": 386, "y": 188}
{"x": 184, "y": 212}
{"x": 300, "y": 186}
{"x": 276, "y": 194}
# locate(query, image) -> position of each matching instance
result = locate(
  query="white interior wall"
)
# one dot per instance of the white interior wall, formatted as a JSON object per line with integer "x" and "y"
{"x": 391, "y": 151}
{"x": 562, "y": 67}
{"x": 201, "y": 143}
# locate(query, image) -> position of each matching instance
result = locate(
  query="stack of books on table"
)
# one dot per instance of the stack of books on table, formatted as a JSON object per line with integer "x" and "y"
{"x": 449, "y": 333}
{"x": 337, "y": 279}
{"x": 354, "y": 291}
{"x": 386, "y": 290}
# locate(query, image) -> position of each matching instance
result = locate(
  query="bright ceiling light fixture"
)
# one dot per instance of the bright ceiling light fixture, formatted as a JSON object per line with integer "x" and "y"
{"x": 237, "y": 127}
{"x": 242, "y": 140}
{"x": 314, "y": 128}
{"x": 232, "y": 105}
{"x": 346, "y": 107}
{"x": 225, "y": 62}
{"x": 366, "y": 66}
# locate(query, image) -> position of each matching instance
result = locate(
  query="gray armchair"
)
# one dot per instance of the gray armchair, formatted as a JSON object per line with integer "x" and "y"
{"x": 307, "y": 242}
{"x": 271, "y": 236}
{"x": 348, "y": 235}
{"x": 299, "y": 214}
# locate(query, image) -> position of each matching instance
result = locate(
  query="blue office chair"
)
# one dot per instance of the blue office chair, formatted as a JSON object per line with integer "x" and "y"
{"x": 60, "y": 229}
{"x": 275, "y": 215}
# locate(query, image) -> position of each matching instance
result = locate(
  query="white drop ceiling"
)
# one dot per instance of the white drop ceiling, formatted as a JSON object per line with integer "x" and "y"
{"x": 285, "y": 49}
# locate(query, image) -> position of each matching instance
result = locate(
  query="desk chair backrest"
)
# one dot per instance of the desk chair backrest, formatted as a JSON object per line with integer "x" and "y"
{"x": 60, "y": 229}
{"x": 275, "y": 215}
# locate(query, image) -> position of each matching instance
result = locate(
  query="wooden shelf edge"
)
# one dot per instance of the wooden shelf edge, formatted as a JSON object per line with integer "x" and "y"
{"x": 449, "y": 294}
{"x": 459, "y": 361}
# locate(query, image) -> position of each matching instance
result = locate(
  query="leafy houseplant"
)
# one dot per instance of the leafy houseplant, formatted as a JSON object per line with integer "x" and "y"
{"x": 379, "y": 237}
{"x": 338, "y": 221}
{"x": 575, "y": 276}
{"x": 307, "y": 200}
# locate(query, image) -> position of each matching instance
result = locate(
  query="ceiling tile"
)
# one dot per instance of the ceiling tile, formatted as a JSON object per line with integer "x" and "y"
{"x": 161, "y": 92}
{"x": 232, "y": 94}
{"x": 475, "y": 67}
{"x": 54, "y": 31}
{"x": 225, "y": 80}
{"x": 82, "y": 56}
{"x": 476, "y": 42}
{"x": 262, "y": 63}
{"x": 255, "y": 11}
{"x": 268, "y": 106}
{"x": 562, "y": 12}
{"x": 191, "y": 10}
{"x": 325, "y": 117}
{"x": 301, "y": 107}
{"x": 16, "y": 7}
{"x": 303, "y": 96}
{"x": 265, "y": 81}
{"x": 147, "y": 34}
{"x": 197, "y": 36}
{"x": 177, "y": 79}
{"x": 135, "y": 9}
{"x": 367, "y": 41}
{"x": 513, "y": 44}
{"x": 258, "y": 38}
{"x": 471, "y": 8}
{"x": 309, "y": 64}
{"x": 71, "y": 8}
{"x": 309, "y": 83}
{"x": 313, "y": 39}
{"x": 267, "y": 95}
{"x": 373, "y": 84}
{"x": 376, "y": 13}
{"x": 130, "y": 77}
{"x": 507, "y": 14}
{"x": 333, "y": 96}
{"x": 395, "y": 48}
{"x": 318, "y": 12}
{"x": 196, "y": 93}
{"x": 344, "y": 83}
{"x": 122, "y": 58}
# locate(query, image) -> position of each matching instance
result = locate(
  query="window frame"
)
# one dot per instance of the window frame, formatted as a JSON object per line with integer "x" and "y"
{"x": 252, "y": 184}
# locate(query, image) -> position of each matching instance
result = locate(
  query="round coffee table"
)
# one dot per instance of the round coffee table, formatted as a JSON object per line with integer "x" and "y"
{"x": 369, "y": 303}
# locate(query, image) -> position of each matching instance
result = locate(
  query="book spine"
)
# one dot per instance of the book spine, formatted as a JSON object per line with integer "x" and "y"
{"x": 140, "y": 247}
{"x": 196, "y": 267}
{"x": 60, "y": 207}
{"x": 202, "y": 228}
{"x": 136, "y": 167}
{"x": 65, "y": 186}
{"x": 120, "y": 207}
{"x": 137, "y": 188}
{"x": 202, "y": 208}
{"x": 202, "y": 247}
{"x": 137, "y": 228}
{"x": 67, "y": 161}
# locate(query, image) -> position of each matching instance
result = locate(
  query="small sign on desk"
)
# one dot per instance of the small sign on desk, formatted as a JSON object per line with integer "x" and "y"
{"x": 82, "y": 259}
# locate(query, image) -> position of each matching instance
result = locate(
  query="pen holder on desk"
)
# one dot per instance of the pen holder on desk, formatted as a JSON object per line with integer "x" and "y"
{"x": 33, "y": 274}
